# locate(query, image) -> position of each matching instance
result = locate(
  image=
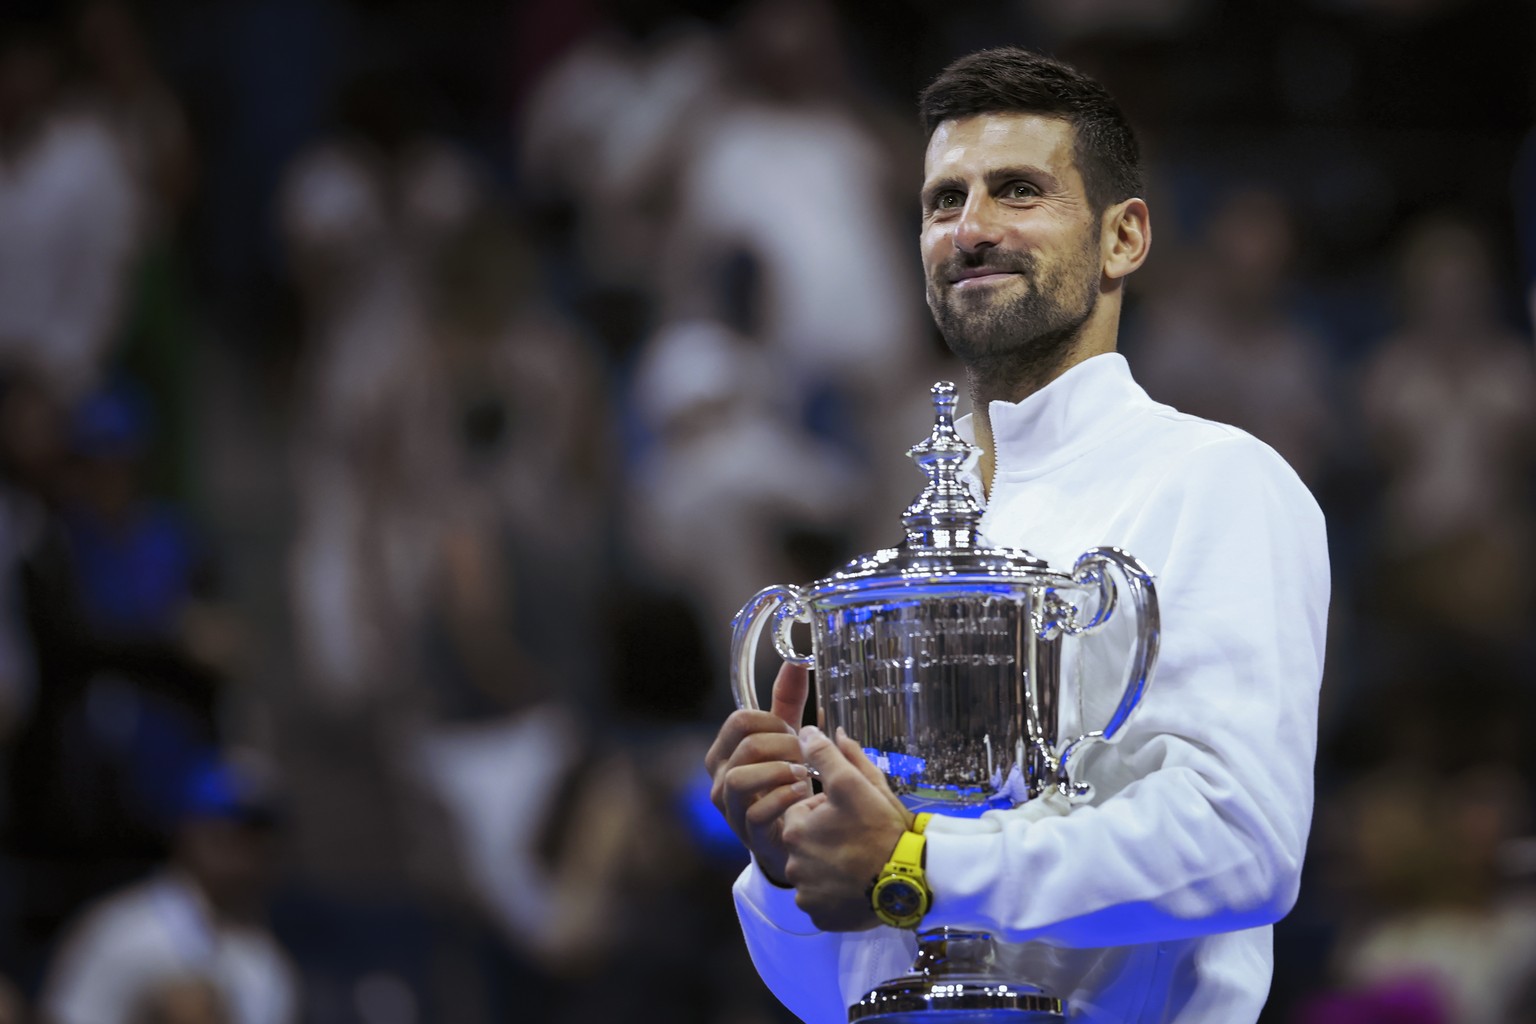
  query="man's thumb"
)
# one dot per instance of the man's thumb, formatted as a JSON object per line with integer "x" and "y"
{"x": 790, "y": 690}
{"x": 822, "y": 755}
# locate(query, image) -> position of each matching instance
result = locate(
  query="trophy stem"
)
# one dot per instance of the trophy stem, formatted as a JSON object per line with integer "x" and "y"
{"x": 954, "y": 980}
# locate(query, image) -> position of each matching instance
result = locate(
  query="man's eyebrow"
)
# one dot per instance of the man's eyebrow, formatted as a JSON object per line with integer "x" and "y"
{"x": 1028, "y": 172}
{"x": 933, "y": 188}
{"x": 995, "y": 177}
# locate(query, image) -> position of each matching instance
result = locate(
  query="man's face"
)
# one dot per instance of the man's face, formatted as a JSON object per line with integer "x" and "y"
{"x": 1011, "y": 245}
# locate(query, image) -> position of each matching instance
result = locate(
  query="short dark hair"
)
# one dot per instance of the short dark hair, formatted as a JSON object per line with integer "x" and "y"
{"x": 1011, "y": 80}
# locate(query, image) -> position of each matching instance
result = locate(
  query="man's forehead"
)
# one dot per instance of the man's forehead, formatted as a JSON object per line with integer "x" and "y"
{"x": 1004, "y": 139}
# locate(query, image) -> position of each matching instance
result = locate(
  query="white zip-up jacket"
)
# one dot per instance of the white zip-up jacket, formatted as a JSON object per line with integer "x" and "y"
{"x": 1153, "y": 902}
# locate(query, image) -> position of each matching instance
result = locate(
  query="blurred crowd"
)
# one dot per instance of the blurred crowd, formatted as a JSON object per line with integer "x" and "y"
{"x": 397, "y": 400}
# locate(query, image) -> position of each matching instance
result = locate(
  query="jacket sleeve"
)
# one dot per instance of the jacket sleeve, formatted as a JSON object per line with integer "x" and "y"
{"x": 808, "y": 969}
{"x": 1209, "y": 832}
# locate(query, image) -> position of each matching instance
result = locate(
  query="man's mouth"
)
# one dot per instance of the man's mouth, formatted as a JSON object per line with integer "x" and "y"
{"x": 977, "y": 275}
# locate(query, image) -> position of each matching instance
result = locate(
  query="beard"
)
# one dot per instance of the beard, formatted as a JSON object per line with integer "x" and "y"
{"x": 1026, "y": 334}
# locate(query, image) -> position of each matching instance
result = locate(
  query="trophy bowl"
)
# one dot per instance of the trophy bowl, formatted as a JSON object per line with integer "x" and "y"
{"x": 943, "y": 658}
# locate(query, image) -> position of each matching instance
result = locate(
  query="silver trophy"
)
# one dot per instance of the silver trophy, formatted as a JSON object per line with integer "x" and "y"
{"x": 943, "y": 658}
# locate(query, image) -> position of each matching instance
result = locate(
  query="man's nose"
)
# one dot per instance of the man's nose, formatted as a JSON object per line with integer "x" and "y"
{"x": 978, "y": 227}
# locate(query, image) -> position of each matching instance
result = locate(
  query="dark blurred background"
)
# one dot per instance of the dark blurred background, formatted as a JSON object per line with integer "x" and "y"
{"x": 397, "y": 399}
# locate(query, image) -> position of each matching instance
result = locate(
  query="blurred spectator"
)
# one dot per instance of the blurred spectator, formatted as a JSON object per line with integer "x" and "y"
{"x": 456, "y": 510}
{"x": 69, "y": 218}
{"x": 198, "y": 920}
{"x": 1449, "y": 401}
{"x": 791, "y": 174}
{"x": 1431, "y": 909}
{"x": 192, "y": 1000}
{"x": 368, "y": 215}
{"x": 531, "y": 470}
{"x": 125, "y": 89}
{"x": 542, "y": 811}
{"x": 131, "y": 649}
{"x": 730, "y": 484}
{"x": 785, "y": 315}
{"x": 516, "y": 687}
{"x": 454, "y": 479}
{"x": 529, "y": 620}
{"x": 121, "y": 84}
{"x": 502, "y": 786}
{"x": 1220, "y": 342}
{"x": 1409, "y": 1000}
{"x": 604, "y": 132}
{"x": 128, "y": 653}
{"x": 137, "y": 563}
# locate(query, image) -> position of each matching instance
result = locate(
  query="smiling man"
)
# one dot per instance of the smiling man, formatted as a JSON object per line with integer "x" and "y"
{"x": 1154, "y": 902}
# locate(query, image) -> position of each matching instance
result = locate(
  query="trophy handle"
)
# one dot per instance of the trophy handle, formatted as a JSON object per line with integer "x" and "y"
{"x": 784, "y": 606}
{"x": 1090, "y": 569}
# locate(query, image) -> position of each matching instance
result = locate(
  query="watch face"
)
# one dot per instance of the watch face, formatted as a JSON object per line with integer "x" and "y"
{"x": 900, "y": 898}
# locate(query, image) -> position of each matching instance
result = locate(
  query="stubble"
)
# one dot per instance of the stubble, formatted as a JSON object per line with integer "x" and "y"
{"x": 1019, "y": 341}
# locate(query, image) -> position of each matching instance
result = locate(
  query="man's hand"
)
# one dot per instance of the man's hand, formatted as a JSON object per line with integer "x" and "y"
{"x": 759, "y": 771}
{"x": 840, "y": 839}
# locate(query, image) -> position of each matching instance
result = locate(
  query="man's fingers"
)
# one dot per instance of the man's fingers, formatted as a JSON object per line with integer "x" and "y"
{"x": 796, "y": 812}
{"x": 824, "y": 756}
{"x": 771, "y": 805}
{"x": 791, "y": 688}
{"x": 773, "y": 753}
{"x": 740, "y": 726}
{"x": 750, "y": 782}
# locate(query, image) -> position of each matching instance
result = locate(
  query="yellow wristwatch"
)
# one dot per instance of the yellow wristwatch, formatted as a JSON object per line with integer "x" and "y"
{"x": 900, "y": 894}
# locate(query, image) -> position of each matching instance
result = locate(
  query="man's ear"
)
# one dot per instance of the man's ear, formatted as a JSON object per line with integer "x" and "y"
{"x": 1126, "y": 237}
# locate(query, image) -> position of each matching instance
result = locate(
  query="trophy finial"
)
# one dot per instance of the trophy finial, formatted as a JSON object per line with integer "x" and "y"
{"x": 946, "y": 514}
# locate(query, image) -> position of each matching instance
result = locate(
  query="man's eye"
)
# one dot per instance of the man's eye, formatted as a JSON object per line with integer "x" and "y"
{"x": 946, "y": 201}
{"x": 1022, "y": 190}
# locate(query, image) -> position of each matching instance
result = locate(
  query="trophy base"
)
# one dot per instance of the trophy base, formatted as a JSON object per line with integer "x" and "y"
{"x": 916, "y": 999}
{"x": 955, "y": 981}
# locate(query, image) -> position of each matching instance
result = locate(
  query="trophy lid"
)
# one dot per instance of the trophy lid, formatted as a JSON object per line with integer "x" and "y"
{"x": 946, "y": 515}
{"x": 943, "y": 523}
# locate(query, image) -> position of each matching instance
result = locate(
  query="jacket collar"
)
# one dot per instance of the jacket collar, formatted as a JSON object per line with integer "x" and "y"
{"x": 1073, "y": 414}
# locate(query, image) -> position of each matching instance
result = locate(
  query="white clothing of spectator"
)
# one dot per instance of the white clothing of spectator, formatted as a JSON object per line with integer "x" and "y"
{"x": 128, "y": 93}
{"x": 729, "y": 478}
{"x": 497, "y": 783}
{"x": 375, "y": 433}
{"x": 1450, "y": 397}
{"x": 838, "y": 296}
{"x": 1458, "y": 427}
{"x": 69, "y": 214}
{"x": 155, "y": 933}
{"x": 1449, "y": 403}
{"x": 793, "y": 171}
{"x": 604, "y": 129}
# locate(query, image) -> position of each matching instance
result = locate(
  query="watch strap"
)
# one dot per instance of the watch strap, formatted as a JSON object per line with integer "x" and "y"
{"x": 904, "y": 873}
{"x": 908, "y": 855}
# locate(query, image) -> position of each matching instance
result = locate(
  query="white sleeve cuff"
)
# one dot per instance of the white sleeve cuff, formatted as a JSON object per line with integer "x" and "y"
{"x": 772, "y": 904}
